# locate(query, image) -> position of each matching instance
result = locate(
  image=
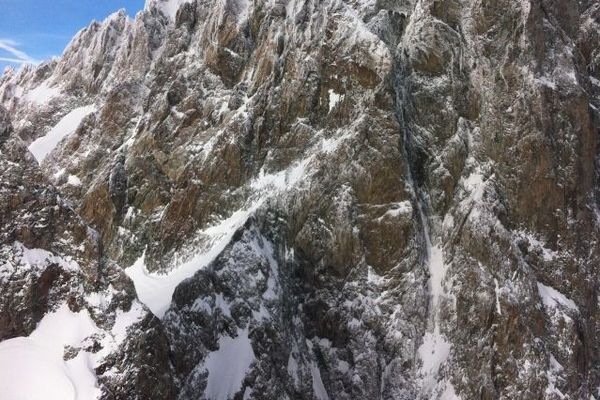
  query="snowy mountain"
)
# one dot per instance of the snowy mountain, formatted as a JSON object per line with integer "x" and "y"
{"x": 288, "y": 199}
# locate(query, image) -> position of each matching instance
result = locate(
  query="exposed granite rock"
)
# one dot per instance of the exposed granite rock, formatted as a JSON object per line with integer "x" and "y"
{"x": 346, "y": 200}
{"x": 49, "y": 259}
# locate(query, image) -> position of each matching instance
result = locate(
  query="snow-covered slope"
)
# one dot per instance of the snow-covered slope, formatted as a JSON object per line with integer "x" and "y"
{"x": 312, "y": 200}
{"x": 67, "y": 312}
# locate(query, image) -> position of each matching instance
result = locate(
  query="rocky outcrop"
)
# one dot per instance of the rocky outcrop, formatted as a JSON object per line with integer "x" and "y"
{"x": 52, "y": 265}
{"x": 507, "y": 222}
{"x": 325, "y": 199}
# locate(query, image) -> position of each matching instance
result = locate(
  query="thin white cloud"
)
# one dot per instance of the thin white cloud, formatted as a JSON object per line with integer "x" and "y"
{"x": 18, "y": 56}
{"x": 11, "y": 60}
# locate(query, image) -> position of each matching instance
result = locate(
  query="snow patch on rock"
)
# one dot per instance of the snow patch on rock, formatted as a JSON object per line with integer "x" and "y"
{"x": 553, "y": 375}
{"x": 73, "y": 180}
{"x": 498, "y": 291}
{"x": 156, "y": 289}
{"x": 334, "y": 99}
{"x": 330, "y": 145}
{"x": 538, "y": 244}
{"x": 227, "y": 366}
{"x": 44, "y": 145}
{"x": 437, "y": 269}
{"x": 125, "y": 319}
{"x": 553, "y": 299}
{"x": 36, "y": 258}
{"x": 42, "y": 94}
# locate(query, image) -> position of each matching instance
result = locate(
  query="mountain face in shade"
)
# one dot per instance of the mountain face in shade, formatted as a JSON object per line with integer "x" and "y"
{"x": 291, "y": 199}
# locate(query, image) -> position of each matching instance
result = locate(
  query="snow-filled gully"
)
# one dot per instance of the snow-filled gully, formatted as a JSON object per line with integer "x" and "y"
{"x": 435, "y": 348}
{"x": 44, "y": 145}
{"x": 156, "y": 289}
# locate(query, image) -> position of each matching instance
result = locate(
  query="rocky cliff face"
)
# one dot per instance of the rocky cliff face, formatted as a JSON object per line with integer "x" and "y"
{"x": 311, "y": 200}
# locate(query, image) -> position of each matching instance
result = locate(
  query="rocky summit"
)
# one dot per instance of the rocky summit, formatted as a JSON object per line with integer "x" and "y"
{"x": 306, "y": 199}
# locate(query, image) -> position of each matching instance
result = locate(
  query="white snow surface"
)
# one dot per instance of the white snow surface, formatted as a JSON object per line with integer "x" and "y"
{"x": 401, "y": 208}
{"x": 435, "y": 349}
{"x": 28, "y": 373}
{"x": 33, "y": 367}
{"x": 228, "y": 366}
{"x": 73, "y": 180}
{"x": 42, "y": 94}
{"x": 449, "y": 393}
{"x": 317, "y": 383}
{"x": 124, "y": 319}
{"x": 498, "y": 291}
{"x": 437, "y": 269}
{"x": 334, "y": 99}
{"x": 329, "y": 146}
{"x": 433, "y": 353}
{"x": 34, "y": 259}
{"x": 44, "y": 145}
{"x": 156, "y": 289}
{"x": 552, "y": 298}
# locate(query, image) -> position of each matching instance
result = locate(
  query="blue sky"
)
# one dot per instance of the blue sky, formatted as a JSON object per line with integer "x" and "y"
{"x": 35, "y": 30}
